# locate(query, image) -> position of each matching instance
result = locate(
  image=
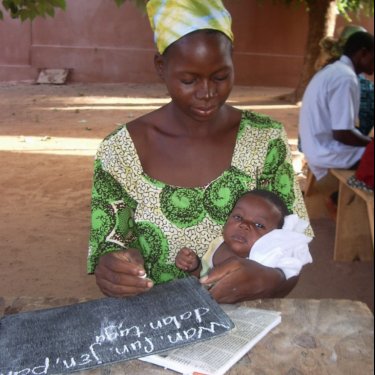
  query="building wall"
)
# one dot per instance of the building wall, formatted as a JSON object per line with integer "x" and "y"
{"x": 101, "y": 42}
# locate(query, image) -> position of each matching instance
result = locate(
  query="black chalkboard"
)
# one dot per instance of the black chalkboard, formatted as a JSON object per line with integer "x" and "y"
{"x": 91, "y": 334}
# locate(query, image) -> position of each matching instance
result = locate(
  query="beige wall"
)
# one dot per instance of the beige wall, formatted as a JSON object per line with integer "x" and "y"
{"x": 103, "y": 43}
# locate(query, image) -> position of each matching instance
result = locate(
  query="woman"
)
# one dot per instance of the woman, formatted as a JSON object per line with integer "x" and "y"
{"x": 169, "y": 179}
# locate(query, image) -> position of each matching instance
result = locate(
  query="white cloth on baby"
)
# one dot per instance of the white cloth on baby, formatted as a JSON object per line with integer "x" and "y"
{"x": 285, "y": 248}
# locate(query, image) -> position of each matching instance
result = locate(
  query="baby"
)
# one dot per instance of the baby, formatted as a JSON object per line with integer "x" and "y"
{"x": 258, "y": 228}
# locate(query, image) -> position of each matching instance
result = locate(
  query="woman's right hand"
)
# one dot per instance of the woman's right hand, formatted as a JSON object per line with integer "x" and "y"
{"x": 121, "y": 274}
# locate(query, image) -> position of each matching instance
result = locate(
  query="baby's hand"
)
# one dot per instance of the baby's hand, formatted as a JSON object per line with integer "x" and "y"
{"x": 187, "y": 260}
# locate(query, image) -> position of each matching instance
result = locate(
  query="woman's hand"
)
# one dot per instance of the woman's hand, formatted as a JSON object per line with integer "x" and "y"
{"x": 122, "y": 274}
{"x": 240, "y": 279}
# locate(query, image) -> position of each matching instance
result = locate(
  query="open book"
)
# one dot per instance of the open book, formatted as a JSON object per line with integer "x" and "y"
{"x": 218, "y": 355}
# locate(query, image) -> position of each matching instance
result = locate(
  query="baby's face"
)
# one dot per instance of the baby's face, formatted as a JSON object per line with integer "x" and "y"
{"x": 251, "y": 218}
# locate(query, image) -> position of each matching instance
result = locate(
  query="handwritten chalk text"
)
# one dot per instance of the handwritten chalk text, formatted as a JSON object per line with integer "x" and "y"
{"x": 117, "y": 341}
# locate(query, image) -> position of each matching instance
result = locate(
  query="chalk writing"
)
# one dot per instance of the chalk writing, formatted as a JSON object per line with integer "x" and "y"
{"x": 109, "y": 333}
{"x": 112, "y": 335}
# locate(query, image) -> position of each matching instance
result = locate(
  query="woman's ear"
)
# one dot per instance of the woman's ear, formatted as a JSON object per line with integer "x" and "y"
{"x": 159, "y": 65}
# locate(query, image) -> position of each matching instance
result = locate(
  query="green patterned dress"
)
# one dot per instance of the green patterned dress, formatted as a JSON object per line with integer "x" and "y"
{"x": 130, "y": 209}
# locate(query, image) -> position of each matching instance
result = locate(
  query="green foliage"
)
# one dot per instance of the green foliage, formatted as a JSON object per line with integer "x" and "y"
{"x": 365, "y": 7}
{"x": 29, "y": 9}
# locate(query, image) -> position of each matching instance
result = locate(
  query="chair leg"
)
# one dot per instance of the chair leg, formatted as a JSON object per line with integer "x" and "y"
{"x": 310, "y": 180}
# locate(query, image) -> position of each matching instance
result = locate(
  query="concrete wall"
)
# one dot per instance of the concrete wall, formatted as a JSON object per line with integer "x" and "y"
{"x": 103, "y": 43}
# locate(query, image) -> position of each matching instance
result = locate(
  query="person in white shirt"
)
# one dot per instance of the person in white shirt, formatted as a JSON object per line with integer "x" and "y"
{"x": 330, "y": 108}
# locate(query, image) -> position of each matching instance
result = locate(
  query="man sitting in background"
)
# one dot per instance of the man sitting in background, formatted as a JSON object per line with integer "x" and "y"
{"x": 330, "y": 109}
{"x": 331, "y": 50}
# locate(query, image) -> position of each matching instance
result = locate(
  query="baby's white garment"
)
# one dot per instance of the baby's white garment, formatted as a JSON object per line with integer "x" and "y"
{"x": 285, "y": 248}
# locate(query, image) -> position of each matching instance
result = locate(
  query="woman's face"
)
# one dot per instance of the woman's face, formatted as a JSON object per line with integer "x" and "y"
{"x": 198, "y": 73}
{"x": 251, "y": 218}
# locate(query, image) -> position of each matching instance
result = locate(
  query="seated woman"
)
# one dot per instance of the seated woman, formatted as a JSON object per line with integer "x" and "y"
{"x": 169, "y": 179}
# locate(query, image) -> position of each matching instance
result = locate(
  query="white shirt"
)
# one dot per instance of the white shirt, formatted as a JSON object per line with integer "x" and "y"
{"x": 331, "y": 102}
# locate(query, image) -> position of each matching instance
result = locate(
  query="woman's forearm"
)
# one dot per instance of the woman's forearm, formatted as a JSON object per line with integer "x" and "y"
{"x": 242, "y": 279}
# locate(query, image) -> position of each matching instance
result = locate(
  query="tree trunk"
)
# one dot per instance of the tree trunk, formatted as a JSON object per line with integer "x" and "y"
{"x": 322, "y": 22}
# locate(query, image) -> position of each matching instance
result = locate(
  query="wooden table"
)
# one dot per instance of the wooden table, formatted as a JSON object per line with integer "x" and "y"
{"x": 316, "y": 337}
{"x": 355, "y": 220}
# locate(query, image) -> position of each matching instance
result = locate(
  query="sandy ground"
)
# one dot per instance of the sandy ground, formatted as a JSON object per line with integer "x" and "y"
{"x": 48, "y": 138}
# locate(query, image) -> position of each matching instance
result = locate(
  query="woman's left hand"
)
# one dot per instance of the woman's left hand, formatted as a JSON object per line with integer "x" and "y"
{"x": 240, "y": 279}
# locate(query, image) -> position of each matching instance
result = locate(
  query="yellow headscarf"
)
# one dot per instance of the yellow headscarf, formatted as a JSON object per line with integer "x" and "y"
{"x": 173, "y": 19}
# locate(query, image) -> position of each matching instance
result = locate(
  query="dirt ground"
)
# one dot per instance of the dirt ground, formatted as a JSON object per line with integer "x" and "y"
{"x": 48, "y": 138}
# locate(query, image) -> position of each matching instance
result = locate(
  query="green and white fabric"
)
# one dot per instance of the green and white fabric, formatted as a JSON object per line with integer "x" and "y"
{"x": 130, "y": 209}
